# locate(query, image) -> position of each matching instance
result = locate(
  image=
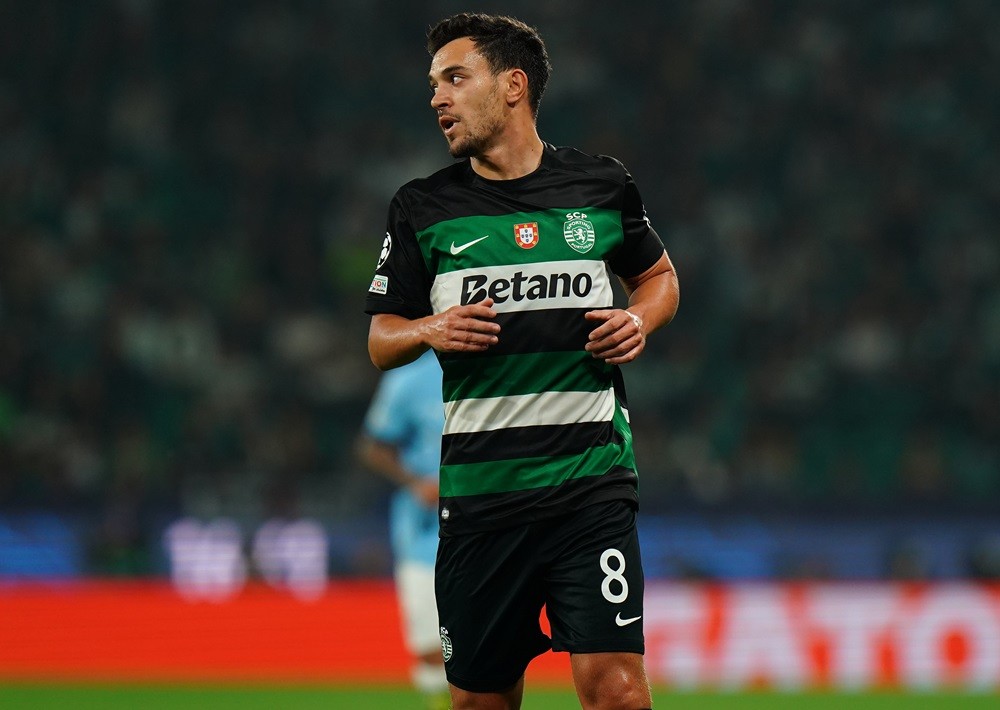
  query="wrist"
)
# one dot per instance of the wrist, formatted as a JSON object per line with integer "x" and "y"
{"x": 635, "y": 319}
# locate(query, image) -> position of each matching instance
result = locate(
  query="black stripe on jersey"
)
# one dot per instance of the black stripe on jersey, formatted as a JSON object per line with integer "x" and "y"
{"x": 491, "y": 511}
{"x": 550, "y": 330}
{"x": 566, "y": 179}
{"x": 526, "y": 442}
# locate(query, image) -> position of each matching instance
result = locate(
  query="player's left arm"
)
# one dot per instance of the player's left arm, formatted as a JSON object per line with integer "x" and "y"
{"x": 653, "y": 297}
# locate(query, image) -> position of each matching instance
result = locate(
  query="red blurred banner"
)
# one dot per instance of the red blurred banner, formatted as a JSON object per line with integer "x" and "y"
{"x": 741, "y": 635}
{"x": 147, "y": 631}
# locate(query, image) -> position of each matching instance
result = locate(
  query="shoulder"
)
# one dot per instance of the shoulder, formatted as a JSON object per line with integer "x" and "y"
{"x": 430, "y": 199}
{"x": 417, "y": 191}
{"x": 575, "y": 160}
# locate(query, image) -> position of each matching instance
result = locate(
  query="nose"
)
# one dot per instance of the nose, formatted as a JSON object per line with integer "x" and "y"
{"x": 440, "y": 99}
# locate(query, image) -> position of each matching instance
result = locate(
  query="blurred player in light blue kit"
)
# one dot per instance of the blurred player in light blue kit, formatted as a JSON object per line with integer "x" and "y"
{"x": 402, "y": 441}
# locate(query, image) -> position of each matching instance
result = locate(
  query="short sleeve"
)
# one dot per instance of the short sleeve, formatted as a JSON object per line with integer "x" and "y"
{"x": 642, "y": 246}
{"x": 386, "y": 419}
{"x": 402, "y": 282}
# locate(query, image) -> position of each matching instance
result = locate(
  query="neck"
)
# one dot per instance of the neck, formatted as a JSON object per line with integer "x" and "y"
{"x": 511, "y": 157}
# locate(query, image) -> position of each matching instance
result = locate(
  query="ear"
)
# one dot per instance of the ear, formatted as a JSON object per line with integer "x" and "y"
{"x": 517, "y": 87}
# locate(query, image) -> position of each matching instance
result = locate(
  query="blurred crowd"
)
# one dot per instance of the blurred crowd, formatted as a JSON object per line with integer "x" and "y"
{"x": 192, "y": 196}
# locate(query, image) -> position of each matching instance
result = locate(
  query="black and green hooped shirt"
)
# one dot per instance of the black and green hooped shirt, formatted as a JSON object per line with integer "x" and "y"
{"x": 534, "y": 426}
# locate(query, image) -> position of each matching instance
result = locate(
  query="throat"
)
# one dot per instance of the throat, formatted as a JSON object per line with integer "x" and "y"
{"x": 508, "y": 161}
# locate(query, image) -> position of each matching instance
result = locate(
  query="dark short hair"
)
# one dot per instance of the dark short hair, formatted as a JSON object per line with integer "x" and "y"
{"x": 504, "y": 42}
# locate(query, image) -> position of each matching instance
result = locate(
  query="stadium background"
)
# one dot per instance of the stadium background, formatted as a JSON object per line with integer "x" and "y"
{"x": 192, "y": 196}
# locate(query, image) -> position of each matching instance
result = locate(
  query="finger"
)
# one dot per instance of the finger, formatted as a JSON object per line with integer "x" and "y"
{"x": 475, "y": 334}
{"x": 480, "y": 312}
{"x": 626, "y": 355}
{"x": 604, "y": 330}
{"x": 596, "y": 347}
{"x": 601, "y": 314}
{"x": 484, "y": 308}
{"x": 464, "y": 335}
{"x": 614, "y": 350}
{"x": 614, "y": 320}
{"x": 479, "y": 309}
{"x": 459, "y": 346}
{"x": 471, "y": 337}
{"x": 609, "y": 336}
{"x": 627, "y": 358}
{"x": 475, "y": 325}
{"x": 615, "y": 345}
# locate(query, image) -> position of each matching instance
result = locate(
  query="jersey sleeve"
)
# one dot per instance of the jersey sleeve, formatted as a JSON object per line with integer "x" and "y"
{"x": 401, "y": 284}
{"x": 642, "y": 246}
{"x": 387, "y": 419}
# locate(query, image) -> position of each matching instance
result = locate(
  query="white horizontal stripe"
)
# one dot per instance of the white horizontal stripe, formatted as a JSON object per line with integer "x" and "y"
{"x": 548, "y": 408}
{"x": 526, "y": 287}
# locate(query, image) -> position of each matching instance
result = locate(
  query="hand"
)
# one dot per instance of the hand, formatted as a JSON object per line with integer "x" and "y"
{"x": 618, "y": 338}
{"x": 425, "y": 490}
{"x": 467, "y": 328}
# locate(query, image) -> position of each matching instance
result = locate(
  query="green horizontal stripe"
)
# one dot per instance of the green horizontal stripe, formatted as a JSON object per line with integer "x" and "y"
{"x": 529, "y": 373}
{"x": 531, "y": 473}
{"x": 435, "y": 241}
{"x": 625, "y": 429}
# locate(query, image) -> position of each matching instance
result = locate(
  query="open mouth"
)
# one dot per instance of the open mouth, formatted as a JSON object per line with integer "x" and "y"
{"x": 447, "y": 124}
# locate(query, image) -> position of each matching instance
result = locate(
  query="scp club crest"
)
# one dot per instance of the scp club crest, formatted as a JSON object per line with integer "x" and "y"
{"x": 578, "y": 232}
{"x": 446, "y": 647}
{"x": 526, "y": 235}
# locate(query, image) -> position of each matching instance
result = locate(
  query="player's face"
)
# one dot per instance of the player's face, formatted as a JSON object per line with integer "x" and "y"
{"x": 467, "y": 98}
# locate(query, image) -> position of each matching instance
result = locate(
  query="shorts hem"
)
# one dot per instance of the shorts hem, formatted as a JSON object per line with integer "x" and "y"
{"x": 616, "y": 646}
{"x": 489, "y": 685}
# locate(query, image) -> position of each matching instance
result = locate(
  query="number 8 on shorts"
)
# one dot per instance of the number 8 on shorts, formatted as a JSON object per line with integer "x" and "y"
{"x": 614, "y": 575}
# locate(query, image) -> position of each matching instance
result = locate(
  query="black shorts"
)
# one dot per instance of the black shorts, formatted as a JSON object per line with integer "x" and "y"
{"x": 490, "y": 586}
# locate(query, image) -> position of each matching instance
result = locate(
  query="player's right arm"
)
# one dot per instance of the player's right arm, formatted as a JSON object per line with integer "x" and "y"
{"x": 394, "y": 340}
{"x": 403, "y": 324}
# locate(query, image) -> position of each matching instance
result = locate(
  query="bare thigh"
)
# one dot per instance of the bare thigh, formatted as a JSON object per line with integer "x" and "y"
{"x": 611, "y": 681}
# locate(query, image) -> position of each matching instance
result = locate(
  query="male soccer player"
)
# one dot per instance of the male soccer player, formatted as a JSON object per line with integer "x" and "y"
{"x": 401, "y": 440}
{"x": 498, "y": 263}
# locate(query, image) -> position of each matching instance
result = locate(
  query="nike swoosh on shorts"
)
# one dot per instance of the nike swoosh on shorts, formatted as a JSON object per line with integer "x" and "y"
{"x": 625, "y": 622}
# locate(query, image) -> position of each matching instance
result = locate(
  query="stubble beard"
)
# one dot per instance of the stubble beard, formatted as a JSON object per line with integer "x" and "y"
{"x": 481, "y": 138}
{"x": 474, "y": 146}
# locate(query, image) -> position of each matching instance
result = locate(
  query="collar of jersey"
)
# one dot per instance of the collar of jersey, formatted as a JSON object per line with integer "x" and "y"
{"x": 548, "y": 157}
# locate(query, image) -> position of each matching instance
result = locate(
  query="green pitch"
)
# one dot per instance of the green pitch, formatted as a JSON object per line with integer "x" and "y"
{"x": 17, "y": 696}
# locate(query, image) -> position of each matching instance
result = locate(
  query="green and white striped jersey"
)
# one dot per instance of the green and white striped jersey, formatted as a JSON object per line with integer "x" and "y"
{"x": 535, "y": 426}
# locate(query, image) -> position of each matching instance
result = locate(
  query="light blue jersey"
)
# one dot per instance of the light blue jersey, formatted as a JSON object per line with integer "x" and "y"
{"x": 407, "y": 412}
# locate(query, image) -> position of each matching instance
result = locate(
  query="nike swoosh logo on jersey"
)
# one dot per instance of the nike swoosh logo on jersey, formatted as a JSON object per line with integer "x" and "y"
{"x": 459, "y": 250}
{"x": 625, "y": 622}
